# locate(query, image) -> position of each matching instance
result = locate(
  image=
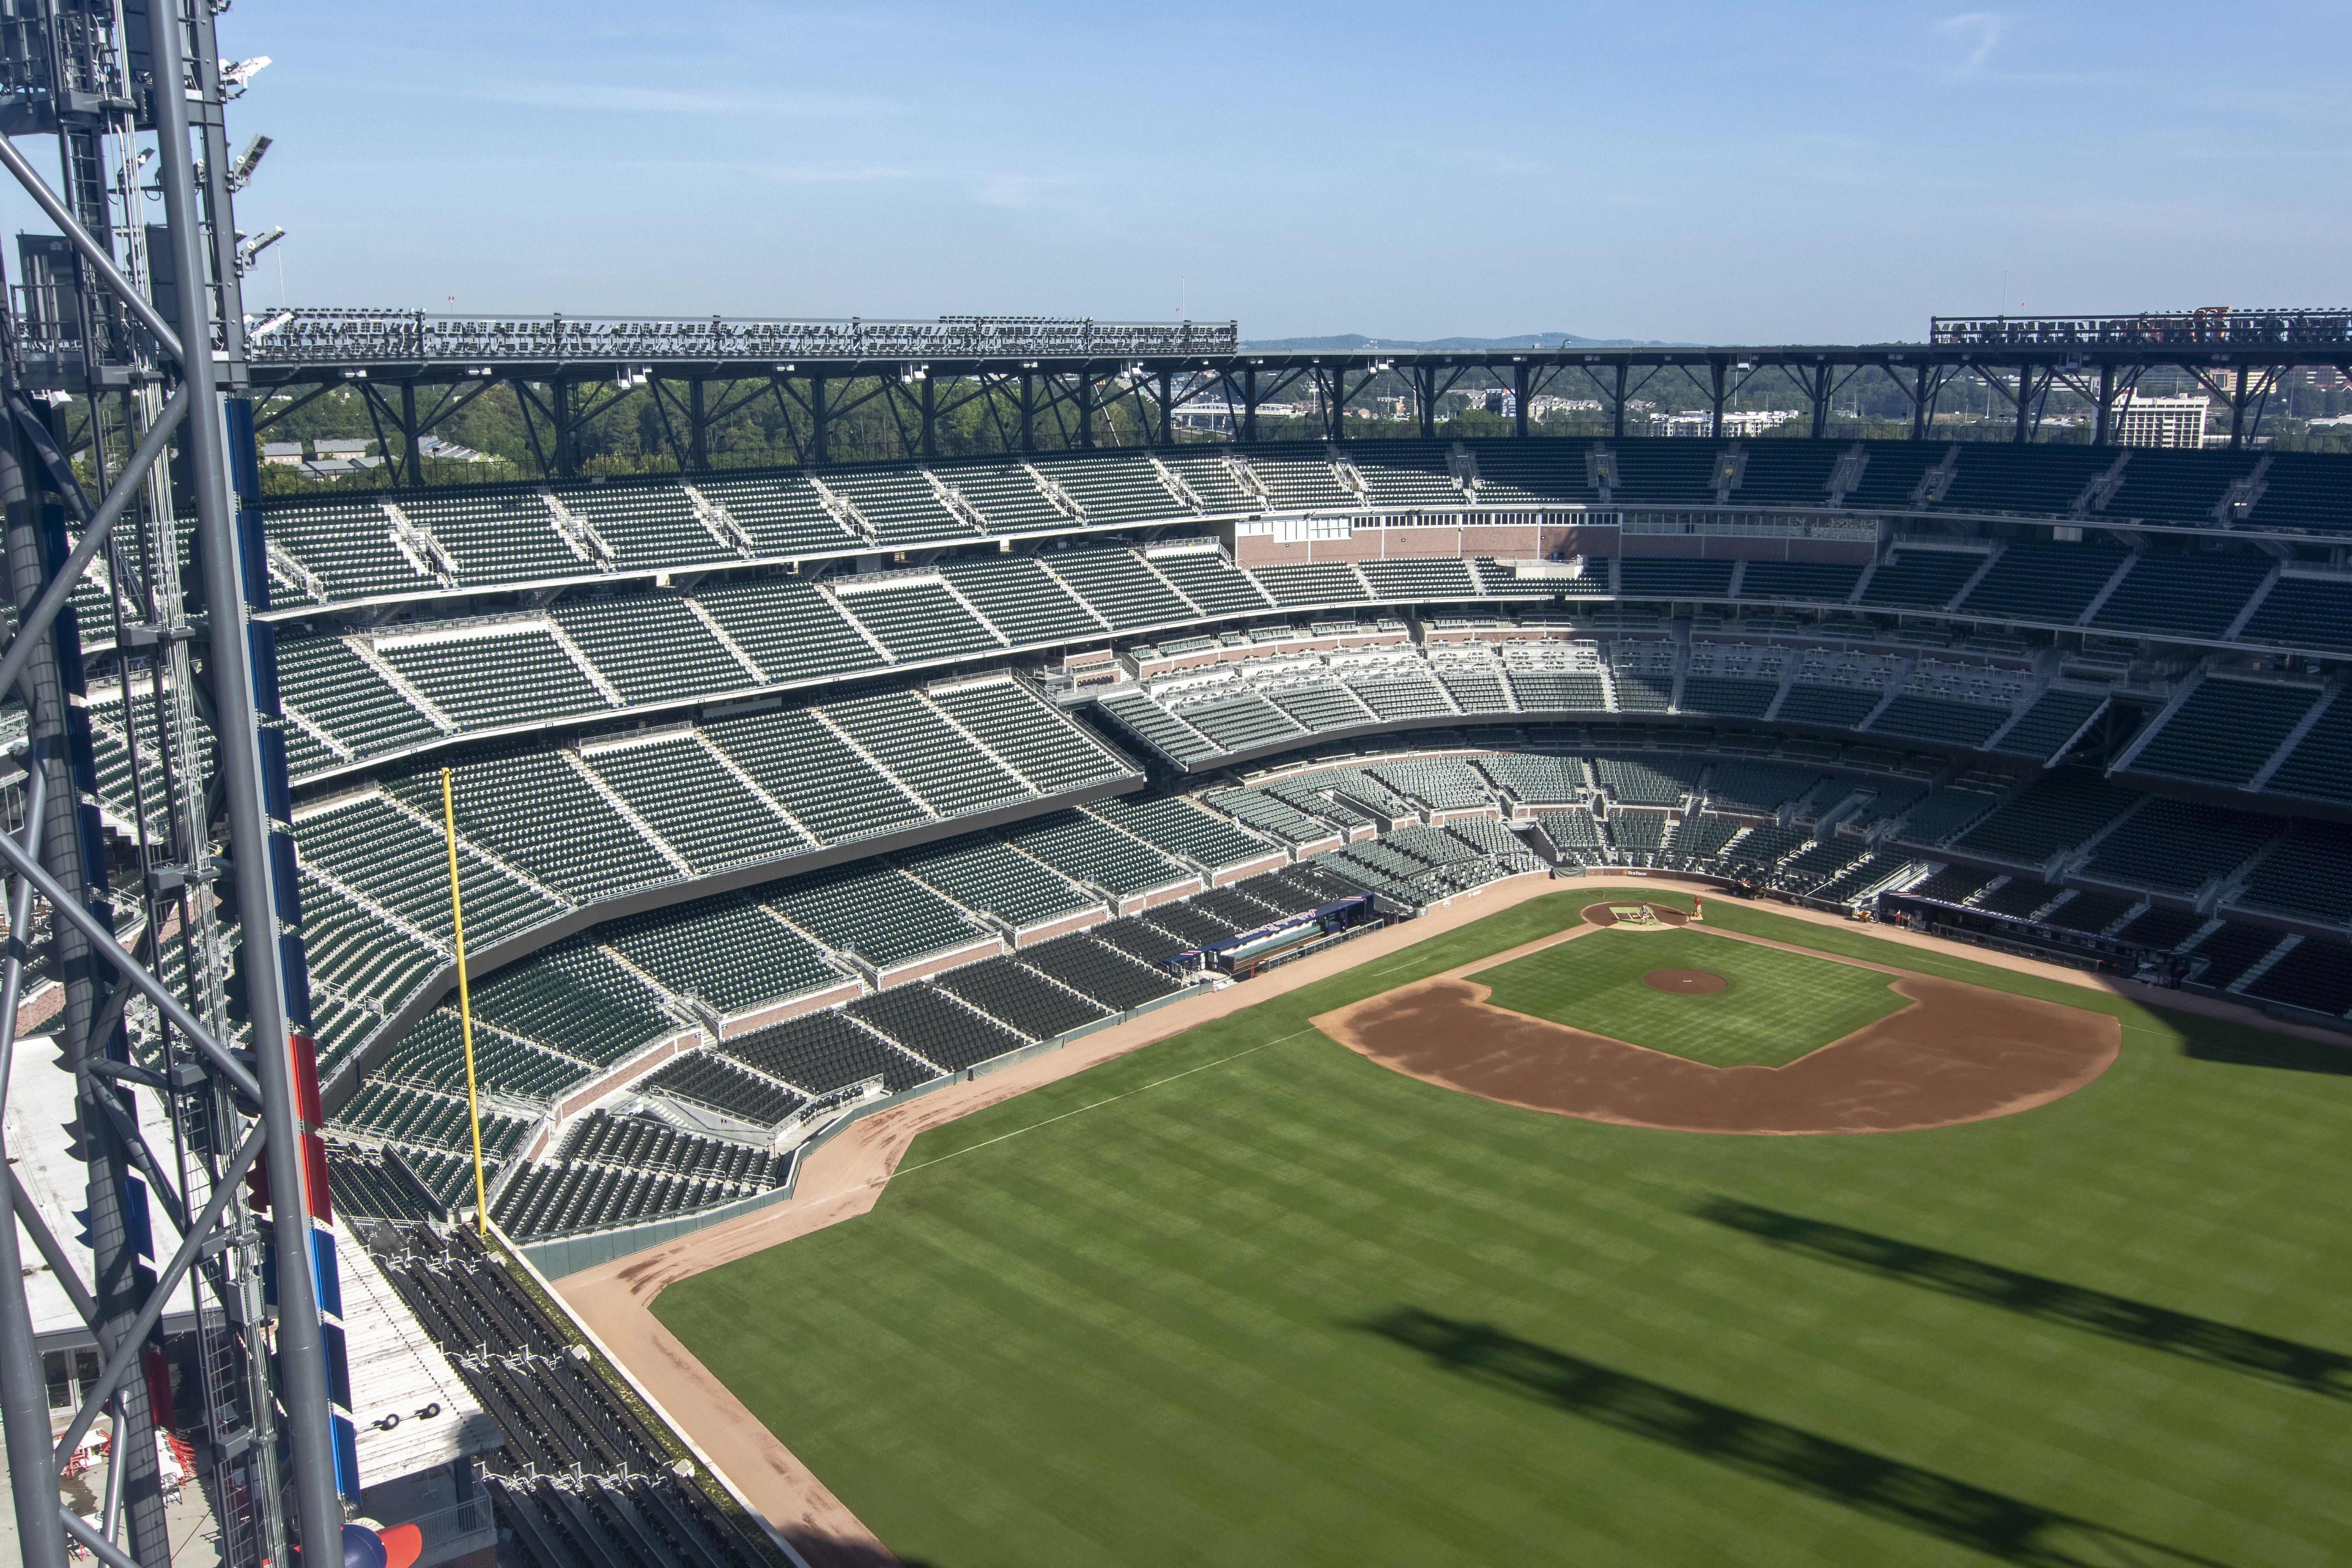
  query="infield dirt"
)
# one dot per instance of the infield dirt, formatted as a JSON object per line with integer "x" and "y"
{"x": 1958, "y": 1053}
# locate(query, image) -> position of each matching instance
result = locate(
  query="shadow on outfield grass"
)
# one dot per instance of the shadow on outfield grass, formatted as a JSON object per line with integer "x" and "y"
{"x": 1873, "y": 1484}
{"x": 2054, "y": 1301}
{"x": 2282, "y": 1051}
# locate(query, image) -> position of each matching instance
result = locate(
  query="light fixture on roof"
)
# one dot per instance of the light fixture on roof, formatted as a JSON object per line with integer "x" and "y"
{"x": 235, "y": 74}
{"x": 240, "y": 173}
{"x": 246, "y": 249}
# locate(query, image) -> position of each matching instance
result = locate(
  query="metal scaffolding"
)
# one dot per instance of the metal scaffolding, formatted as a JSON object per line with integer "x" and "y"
{"x": 174, "y": 940}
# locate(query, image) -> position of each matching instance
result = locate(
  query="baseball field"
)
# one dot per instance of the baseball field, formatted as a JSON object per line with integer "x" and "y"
{"x": 1250, "y": 1296}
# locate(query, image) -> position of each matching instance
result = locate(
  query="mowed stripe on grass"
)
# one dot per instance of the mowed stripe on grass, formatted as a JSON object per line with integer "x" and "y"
{"x": 1776, "y": 1007}
{"x": 1299, "y": 1310}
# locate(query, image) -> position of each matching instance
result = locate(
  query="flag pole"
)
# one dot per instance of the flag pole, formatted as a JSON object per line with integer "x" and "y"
{"x": 464, "y": 1005}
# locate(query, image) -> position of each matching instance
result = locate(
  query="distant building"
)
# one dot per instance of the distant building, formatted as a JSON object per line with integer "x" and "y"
{"x": 285, "y": 453}
{"x": 1737, "y": 422}
{"x": 347, "y": 451}
{"x": 2160, "y": 421}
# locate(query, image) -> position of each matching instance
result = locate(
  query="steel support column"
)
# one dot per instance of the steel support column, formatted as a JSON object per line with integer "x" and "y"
{"x": 1424, "y": 386}
{"x": 1249, "y": 403}
{"x": 69, "y": 840}
{"x": 2103, "y": 425}
{"x": 1617, "y": 421}
{"x": 1519, "y": 391}
{"x": 1919, "y": 403}
{"x": 1715, "y": 399}
{"x": 1085, "y": 408}
{"x": 301, "y": 1351}
{"x": 24, "y": 1402}
{"x": 820, "y": 449}
{"x": 2024, "y": 428}
{"x": 698, "y": 428}
{"x": 1028, "y": 410}
{"x": 1167, "y": 408}
{"x": 2238, "y": 411}
{"x": 930, "y": 410}
{"x": 1819, "y": 392}
{"x": 567, "y": 451}
{"x": 412, "y": 449}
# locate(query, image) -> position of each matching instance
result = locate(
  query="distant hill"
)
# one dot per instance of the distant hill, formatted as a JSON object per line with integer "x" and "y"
{"x": 1356, "y": 342}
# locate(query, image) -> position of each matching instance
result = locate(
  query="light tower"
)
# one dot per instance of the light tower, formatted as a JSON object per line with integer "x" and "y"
{"x": 125, "y": 466}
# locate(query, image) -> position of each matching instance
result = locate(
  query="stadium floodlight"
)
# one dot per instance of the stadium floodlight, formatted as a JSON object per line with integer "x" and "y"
{"x": 240, "y": 173}
{"x": 235, "y": 74}
{"x": 246, "y": 249}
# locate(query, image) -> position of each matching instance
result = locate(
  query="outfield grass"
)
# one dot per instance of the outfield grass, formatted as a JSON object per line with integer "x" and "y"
{"x": 1245, "y": 1297}
{"x": 1775, "y": 1006}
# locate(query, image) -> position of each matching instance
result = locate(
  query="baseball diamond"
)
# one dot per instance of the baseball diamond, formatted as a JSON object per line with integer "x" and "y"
{"x": 1410, "y": 1262}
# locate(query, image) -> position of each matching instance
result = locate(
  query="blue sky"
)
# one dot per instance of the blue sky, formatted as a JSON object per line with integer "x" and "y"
{"x": 1715, "y": 173}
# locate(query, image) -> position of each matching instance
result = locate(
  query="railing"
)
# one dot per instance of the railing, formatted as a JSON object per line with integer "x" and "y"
{"x": 309, "y": 335}
{"x": 2216, "y": 326}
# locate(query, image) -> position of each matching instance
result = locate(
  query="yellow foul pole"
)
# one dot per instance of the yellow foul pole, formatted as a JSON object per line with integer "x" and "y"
{"x": 464, "y": 1003}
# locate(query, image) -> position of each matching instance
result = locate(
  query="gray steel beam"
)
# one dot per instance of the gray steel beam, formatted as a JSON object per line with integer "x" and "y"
{"x": 301, "y": 1364}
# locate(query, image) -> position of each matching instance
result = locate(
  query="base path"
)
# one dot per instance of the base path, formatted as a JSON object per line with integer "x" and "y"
{"x": 1959, "y": 1052}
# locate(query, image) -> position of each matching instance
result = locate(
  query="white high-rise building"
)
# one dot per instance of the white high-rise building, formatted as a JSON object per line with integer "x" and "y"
{"x": 2160, "y": 421}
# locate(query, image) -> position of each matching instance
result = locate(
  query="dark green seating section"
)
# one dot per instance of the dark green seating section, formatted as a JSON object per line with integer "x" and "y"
{"x": 2176, "y": 846}
{"x": 2056, "y": 811}
{"x": 2225, "y": 730}
{"x": 2195, "y": 593}
{"x": 2048, "y": 583}
{"x": 2320, "y": 765}
{"x": 2304, "y": 612}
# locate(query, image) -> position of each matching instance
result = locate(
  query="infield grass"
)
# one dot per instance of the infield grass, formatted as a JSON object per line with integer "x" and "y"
{"x": 1775, "y": 1006}
{"x": 1245, "y": 1297}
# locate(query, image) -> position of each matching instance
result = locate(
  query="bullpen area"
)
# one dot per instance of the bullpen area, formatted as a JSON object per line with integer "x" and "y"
{"x": 1468, "y": 1254}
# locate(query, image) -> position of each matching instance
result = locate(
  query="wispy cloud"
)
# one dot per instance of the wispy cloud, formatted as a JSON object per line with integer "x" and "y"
{"x": 1031, "y": 191}
{"x": 1980, "y": 32}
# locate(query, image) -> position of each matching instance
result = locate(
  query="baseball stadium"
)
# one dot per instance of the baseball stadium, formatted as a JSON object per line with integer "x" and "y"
{"x": 1024, "y": 942}
{"x": 1646, "y": 1000}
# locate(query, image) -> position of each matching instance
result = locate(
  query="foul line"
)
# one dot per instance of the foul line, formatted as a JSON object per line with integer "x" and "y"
{"x": 1172, "y": 1077}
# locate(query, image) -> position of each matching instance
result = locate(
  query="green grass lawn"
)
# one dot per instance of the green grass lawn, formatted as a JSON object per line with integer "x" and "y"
{"x": 1245, "y": 1297}
{"x": 1774, "y": 1007}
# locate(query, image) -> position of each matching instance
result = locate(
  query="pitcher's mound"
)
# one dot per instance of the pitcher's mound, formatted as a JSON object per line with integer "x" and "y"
{"x": 1687, "y": 982}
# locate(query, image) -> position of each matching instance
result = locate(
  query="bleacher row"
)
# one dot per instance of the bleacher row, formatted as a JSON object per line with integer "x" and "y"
{"x": 2306, "y": 972}
{"x": 546, "y": 832}
{"x": 611, "y": 1170}
{"x": 1832, "y": 823}
{"x": 371, "y": 693}
{"x": 340, "y": 547}
{"x": 579, "y": 1478}
{"x": 1198, "y": 718}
